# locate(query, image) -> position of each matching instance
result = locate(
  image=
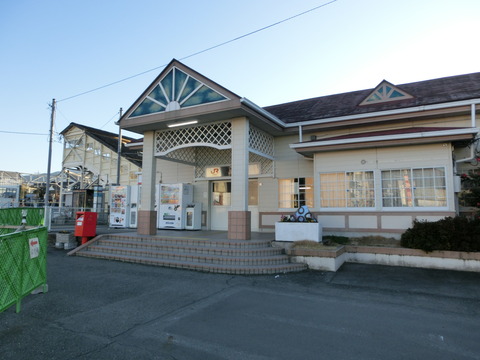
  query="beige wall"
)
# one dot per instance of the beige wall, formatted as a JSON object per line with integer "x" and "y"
{"x": 361, "y": 222}
{"x": 431, "y": 155}
{"x": 288, "y": 163}
{"x": 169, "y": 172}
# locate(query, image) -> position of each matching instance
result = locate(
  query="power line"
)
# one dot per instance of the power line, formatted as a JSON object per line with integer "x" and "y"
{"x": 201, "y": 51}
{"x": 113, "y": 117}
{"x": 258, "y": 30}
{"x": 21, "y": 133}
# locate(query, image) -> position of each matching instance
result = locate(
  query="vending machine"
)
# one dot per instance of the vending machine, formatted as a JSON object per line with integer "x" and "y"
{"x": 194, "y": 216}
{"x": 172, "y": 201}
{"x": 135, "y": 201}
{"x": 134, "y": 205}
{"x": 119, "y": 206}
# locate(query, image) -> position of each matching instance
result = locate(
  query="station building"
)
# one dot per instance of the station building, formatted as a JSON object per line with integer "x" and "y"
{"x": 366, "y": 162}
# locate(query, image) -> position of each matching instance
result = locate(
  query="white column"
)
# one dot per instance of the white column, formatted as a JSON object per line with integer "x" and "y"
{"x": 240, "y": 127}
{"x": 148, "y": 171}
{"x": 147, "y": 216}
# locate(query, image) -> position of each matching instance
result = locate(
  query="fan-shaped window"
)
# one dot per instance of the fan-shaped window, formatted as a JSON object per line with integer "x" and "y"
{"x": 177, "y": 90}
{"x": 385, "y": 92}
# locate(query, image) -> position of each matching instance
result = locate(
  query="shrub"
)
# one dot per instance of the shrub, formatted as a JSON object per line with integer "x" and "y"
{"x": 454, "y": 234}
{"x": 340, "y": 240}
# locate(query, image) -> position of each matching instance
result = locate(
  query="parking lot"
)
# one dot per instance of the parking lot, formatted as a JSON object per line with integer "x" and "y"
{"x": 98, "y": 309}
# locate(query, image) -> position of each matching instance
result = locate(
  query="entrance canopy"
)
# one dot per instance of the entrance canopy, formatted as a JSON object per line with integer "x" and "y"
{"x": 180, "y": 97}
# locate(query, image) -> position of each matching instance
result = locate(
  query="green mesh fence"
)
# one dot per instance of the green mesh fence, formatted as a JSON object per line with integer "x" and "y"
{"x": 4, "y": 231}
{"x": 23, "y": 265}
{"x": 13, "y": 216}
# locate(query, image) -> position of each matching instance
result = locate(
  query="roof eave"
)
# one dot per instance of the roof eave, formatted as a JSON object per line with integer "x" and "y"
{"x": 430, "y": 137}
{"x": 399, "y": 111}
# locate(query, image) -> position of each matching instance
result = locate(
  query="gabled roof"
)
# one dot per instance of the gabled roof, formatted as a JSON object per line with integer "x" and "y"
{"x": 429, "y": 92}
{"x": 176, "y": 89}
{"x": 110, "y": 140}
{"x": 181, "y": 96}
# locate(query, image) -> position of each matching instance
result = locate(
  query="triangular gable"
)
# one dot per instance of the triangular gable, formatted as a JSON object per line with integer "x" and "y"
{"x": 176, "y": 89}
{"x": 385, "y": 92}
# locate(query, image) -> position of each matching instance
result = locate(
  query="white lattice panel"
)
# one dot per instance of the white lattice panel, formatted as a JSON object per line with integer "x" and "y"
{"x": 261, "y": 142}
{"x": 194, "y": 146}
{"x": 217, "y": 134}
{"x": 183, "y": 155}
{"x": 207, "y": 156}
{"x": 266, "y": 165}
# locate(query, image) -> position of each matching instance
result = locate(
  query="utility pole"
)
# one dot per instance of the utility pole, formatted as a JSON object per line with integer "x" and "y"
{"x": 47, "y": 183}
{"x": 119, "y": 149}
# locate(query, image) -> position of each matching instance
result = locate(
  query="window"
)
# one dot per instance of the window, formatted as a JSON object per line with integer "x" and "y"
{"x": 347, "y": 189}
{"x": 295, "y": 192}
{"x": 424, "y": 187}
{"x": 221, "y": 193}
{"x": 73, "y": 143}
{"x": 385, "y": 92}
{"x": 175, "y": 91}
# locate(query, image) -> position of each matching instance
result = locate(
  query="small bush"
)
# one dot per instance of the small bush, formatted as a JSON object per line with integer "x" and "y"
{"x": 307, "y": 244}
{"x": 340, "y": 240}
{"x": 453, "y": 234}
{"x": 374, "y": 240}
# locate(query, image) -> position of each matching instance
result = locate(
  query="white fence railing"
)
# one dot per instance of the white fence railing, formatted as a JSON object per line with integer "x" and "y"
{"x": 66, "y": 216}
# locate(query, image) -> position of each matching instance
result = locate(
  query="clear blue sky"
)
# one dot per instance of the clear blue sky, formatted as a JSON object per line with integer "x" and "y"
{"x": 60, "y": 48}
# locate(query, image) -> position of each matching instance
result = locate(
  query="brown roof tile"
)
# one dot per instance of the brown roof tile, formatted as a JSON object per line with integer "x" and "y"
{"x": 454, "y": 88}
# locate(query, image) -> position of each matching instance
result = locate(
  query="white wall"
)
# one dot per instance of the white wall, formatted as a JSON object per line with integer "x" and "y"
{"x": 431, "y": 155}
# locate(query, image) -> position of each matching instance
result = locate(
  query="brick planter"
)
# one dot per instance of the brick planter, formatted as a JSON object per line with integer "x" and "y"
{"x": 332, "y": 260}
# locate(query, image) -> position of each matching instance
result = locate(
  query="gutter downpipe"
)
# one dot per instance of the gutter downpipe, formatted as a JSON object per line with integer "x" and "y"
{"x": 474, "y": 147}
{"x": 300, "y": 133}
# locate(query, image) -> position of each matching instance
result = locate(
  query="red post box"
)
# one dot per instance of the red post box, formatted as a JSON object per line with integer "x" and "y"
{"x": 86, "y": 225}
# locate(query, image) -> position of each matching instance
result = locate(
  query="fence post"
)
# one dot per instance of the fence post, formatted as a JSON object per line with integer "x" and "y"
{"x": 49, "y": 225}
{"x": 22, "y": 278}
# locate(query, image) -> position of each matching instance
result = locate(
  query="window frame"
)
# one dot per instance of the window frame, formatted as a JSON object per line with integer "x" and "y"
{"x": 296, "y": 200}
{"x": 347, "y": 190}
{"x": 414, "y": 191}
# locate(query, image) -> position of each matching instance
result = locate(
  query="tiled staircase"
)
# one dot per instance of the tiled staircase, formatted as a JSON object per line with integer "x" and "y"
{"x": 218, "y": 256}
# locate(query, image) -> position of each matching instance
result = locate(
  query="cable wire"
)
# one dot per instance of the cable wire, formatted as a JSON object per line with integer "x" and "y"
{"x": 200, "y": 52}
{"x": 113, "y": 117}
{"x": 21, "y": 133}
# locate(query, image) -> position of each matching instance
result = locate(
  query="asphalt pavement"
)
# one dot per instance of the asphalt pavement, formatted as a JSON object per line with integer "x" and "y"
{"x": 100, "y": 309}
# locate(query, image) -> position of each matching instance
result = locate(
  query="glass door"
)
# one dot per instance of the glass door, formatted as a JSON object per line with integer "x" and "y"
{"x": 220, "y": 205}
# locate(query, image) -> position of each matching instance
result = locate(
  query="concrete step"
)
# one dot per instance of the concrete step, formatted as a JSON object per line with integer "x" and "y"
{"x": 243, "y": 244}
{"x": 205, "y": 267}
{"x": 173, "y": 253}
{"x": 201, "y": 254}
{"x": 194, "y": 248}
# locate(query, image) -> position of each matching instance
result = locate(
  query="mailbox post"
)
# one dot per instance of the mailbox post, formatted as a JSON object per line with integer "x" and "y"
{"x": 86, "y": 225}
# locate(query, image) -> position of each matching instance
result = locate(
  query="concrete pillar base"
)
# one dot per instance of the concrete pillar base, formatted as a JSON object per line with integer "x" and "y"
{"x": 147, "y": 222}
{"x": 239, "y": 225}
